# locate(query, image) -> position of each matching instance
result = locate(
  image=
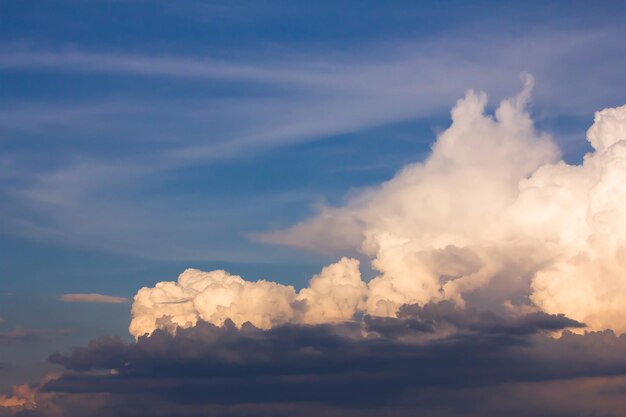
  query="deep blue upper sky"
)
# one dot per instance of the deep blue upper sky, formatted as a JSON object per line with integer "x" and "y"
{"x": 140, "y": 138}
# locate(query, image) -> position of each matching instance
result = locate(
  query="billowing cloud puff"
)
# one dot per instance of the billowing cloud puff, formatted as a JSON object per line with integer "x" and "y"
{"x": 441, "y": 228}
{"x": 213, "y": 297}
{"x": 334, "y": 294}
{"x": 491, "y": 216}
{"x": 587, "y": 207}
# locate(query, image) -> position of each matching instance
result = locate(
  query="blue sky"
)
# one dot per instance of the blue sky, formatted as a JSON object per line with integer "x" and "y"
{"x": 141, "y": 138}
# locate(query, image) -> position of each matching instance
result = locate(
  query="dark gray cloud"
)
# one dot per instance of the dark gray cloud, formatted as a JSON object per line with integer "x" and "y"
{"x": 436, "y": 360}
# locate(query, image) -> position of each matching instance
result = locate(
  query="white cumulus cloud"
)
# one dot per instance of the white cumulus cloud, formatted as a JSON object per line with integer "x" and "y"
{"x": 492, "y": 214}
{"x": 335, "y": 294}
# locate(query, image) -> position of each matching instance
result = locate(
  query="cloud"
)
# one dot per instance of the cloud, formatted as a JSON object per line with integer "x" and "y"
{"x": 22, "y": 334}
{"x": 209, "y": 343}
{"x": 380, "y": 365}
{"x": 335, "y": 294}
{"x": 92, "y": 298}
{"x": 493, "y": 214}
{"x": 23, "y": 397}
{"x": 294, "y": 98}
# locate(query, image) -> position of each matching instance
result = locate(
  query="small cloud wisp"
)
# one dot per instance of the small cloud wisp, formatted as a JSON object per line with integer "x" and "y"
{"x": 92, "y": 298}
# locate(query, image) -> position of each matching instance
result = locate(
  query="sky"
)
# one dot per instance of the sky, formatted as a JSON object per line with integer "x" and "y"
{"x": 412, "y": 182}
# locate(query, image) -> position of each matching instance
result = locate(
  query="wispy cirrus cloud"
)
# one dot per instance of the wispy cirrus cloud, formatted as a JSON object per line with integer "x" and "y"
{"x": 58, "y": 166}
{"x": 25, "y": 334}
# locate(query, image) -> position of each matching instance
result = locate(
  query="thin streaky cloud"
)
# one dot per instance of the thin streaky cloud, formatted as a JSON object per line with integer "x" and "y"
{"x": 92, "y": 298}
{"x": 339, "y": 71}
{"x": 165, "y": 65}
{"x": 24, "y": 334}
{"x": 308, "y": 98}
